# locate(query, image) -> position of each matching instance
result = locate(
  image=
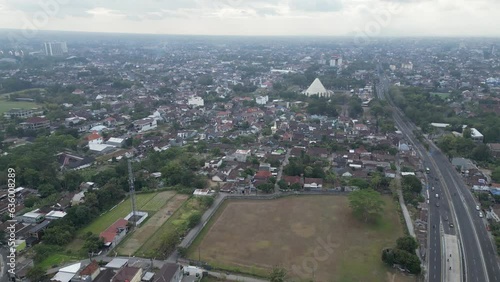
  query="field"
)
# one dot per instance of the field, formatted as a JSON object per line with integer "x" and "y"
{"x": 119, "y": 211}
{"x": 441, "y": 95}
{"x": 146, "y": 231}
{"x": 177, "y": 221}
{"x": 310, "y": 236}
{"x": 6, "y": 106}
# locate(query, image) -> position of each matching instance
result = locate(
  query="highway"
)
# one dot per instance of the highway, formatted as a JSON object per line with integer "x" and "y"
{"x": 456, "y": 206}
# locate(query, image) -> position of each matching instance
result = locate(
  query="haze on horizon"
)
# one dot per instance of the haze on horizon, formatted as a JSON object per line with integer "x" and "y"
{"x": 458, "y": 18}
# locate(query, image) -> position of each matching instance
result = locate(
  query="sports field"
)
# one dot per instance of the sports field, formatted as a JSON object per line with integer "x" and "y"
{"x": 6, "y": 106}
{"x": 311, "y": 236}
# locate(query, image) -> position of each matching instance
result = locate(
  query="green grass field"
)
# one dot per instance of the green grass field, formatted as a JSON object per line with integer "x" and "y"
{"x": 120, "y": 211}
{"x": 177, "y": 221}
{"x": 6, "y": 106}
{"x": 26, "y": 91}
{"x": 252, "y": 236}
{"x": 441, "y": 95}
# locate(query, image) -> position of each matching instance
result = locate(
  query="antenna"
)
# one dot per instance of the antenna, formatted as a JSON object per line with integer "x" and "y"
{"x": 132, "y": 192}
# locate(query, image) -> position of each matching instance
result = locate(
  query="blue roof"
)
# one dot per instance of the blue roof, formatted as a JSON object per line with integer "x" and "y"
{"x": 495, "y": 191}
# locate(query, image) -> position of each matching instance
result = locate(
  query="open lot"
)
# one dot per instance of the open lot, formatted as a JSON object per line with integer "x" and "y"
{"x": 145, "y": 202}
{"x": 6, "y": 106}
{"x": 144, "y": 233}
{"x": 311, "y": 236}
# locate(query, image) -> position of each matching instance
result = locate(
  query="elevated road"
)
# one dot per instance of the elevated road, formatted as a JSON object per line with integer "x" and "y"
{"x": 457, "y": 206}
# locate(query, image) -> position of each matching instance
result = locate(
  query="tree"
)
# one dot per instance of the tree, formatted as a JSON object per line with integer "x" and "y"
{"x": 495, "y": 175}
{"x": 93, "y": 243}
{"x": 407, "y": 243}
{"x": 194, "y": 219}
{"x": 35, "y": 273}
{"x": 295, "y": 186}
{"x": 366, "y": 204}
{"x": 266, "y": 187}
{"x": 278, "y": 274}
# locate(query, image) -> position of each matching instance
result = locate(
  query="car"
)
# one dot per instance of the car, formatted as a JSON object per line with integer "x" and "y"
{"x": 477, "y": 208}
{"x": 437, "y": 204}
{"x": 437, "y": 195}
{"x": 451, "y": 225}
{"x": 432, "y": 188}
{"x": 446, "y": 219}
{"x": 481, "y": 214}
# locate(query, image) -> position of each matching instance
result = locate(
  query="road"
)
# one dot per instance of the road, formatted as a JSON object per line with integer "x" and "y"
{"x": 456, "y": 206}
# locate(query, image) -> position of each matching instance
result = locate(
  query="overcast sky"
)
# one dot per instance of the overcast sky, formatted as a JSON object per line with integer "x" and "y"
{"x": 259, "y": 17}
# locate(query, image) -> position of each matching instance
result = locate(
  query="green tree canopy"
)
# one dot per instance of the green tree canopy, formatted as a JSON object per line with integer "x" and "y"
{"x": 366, "y": 204}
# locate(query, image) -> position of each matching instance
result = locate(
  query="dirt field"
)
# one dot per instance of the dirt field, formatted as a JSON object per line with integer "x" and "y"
{"x": 312, "y": 236}
{"x": 145, "y": 232}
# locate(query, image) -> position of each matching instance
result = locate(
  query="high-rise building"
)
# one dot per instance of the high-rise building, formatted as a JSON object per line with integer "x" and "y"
{"x": 56, "y": 48}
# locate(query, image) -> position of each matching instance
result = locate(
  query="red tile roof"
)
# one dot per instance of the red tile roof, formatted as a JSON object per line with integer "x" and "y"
{"x": 91, "y": 268}
{"x": 291, "y": 179}
{"x": 93, "y": 136}
{"x": 109, "y": 234}
{"x": 261, "y": 174}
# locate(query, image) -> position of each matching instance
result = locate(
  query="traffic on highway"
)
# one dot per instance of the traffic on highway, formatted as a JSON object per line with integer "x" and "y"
{"x": 452, "y": 210}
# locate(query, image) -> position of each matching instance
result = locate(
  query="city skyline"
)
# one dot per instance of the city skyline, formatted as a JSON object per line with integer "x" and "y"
{"x": 366, "y": 18}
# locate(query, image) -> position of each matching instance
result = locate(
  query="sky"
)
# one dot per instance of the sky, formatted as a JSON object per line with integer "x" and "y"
{"x": 361, "y": 18}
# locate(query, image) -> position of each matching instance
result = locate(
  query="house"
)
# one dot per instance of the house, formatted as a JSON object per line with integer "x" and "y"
{"x": 313, "y": 183}
{"x": 32, "y": 217}
{"x": 242, "y": 155}
{"x": 67, "y": 273}
{"x": 262, "y": 100}
{"x": 37, "y": 230}
{"x": 53, "y": 215}
{"x": 94, "y": 140}
{"x": 495, "y": 149}
{"x": 476, "y": 135}
{"x": 128, "y": 274}
{"x": 115, "y": 232}
{"x": 117, "y": 263}
{"x": 105, "y": 276}
{"x": 145, "y": 124}
{"x": 170, "y": 272}
{"x": 196, "y": 101}
{"x": 116, "y": 142}
{"x": 318, "y": 152}
{"x": 74, "y": 162}
{"x": 35, "y": 123}
{"x": 290, "y": 180}
{"x": 89, "y": 273}
{"x": 22, "y": 113}
{"x": 219, "y": 177}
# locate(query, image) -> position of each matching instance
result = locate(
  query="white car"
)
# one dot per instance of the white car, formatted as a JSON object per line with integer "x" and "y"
{"x": 477, "y": 208}
{"x": 480, "y": 214}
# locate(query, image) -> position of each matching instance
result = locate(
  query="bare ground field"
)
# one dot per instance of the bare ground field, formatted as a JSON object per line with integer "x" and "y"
{"x": 313, "y": 237}
{"x": 135, "y": 240}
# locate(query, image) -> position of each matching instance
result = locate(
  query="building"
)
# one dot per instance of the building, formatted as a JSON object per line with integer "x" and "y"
{"x": 241, "y": 155}
{"x": 317, "y": 89}
{"x": 115, "y": 232}
{"x": 128, "y": 274}
{"x": 56, "y": 48}
{"x": 35, "y": 123}
{"x": 170, "y": 272}
{"x": 145, "y": 124}
{"x": 89, "y": 273}
{"x": 116, "y": 142}
{"x": 55, "y": 215}
{"x": 196, "y": 101}
{"x": 313, "y": 183}
{"x": 476, "y": 135}
{"x": 22, "y": 113}
{"x": 262, "y": 100}
{"x": 495, "y": 149}
{"x": 336, "y": 61}
{"x": 407, "y": 66}
{"x": 32, "y": 217}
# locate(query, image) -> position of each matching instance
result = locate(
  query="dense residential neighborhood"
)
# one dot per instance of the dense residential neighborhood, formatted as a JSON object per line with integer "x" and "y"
{"x": 123, "y": 152}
